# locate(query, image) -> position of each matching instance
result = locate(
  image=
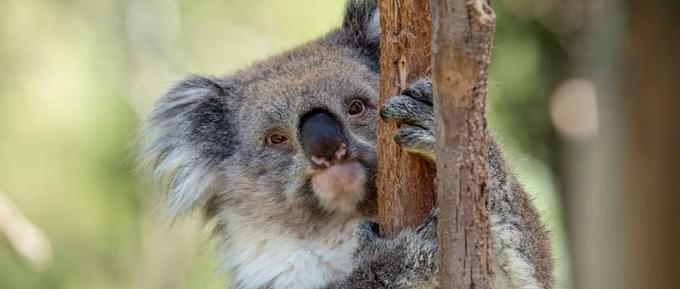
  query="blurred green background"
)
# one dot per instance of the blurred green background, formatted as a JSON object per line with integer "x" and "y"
{"x": 76, "y": 76}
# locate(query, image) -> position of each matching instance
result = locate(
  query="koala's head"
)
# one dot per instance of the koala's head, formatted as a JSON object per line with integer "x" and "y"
{"x": 289, "y": 140}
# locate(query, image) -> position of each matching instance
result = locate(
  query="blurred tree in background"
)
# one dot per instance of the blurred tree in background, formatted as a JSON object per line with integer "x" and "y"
{"x": 77, "y": 76}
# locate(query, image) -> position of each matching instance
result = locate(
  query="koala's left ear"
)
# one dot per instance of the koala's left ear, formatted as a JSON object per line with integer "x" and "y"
{"x": 361, "y": 28}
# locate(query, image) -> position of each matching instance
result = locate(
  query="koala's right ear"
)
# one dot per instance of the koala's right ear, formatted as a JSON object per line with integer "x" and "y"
{"x": 361, "y": 28}
{"x": 184, "y": 137}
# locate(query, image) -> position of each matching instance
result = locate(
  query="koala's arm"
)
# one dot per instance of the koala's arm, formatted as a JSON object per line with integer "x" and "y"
{"x": 520, "y": 242}
{"x": 408, "y": 261}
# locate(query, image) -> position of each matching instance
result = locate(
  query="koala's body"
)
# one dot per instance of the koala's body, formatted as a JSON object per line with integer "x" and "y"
{"x": 281, "y": 157}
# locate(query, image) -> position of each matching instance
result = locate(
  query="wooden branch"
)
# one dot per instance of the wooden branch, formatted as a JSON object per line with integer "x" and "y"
{"x": 463, "y": 33}
{"x": 405, "y": 182}
{"x": 625, "y": 207}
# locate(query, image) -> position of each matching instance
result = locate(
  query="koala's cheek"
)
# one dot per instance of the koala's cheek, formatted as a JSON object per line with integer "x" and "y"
{"x": 340, "y": 188}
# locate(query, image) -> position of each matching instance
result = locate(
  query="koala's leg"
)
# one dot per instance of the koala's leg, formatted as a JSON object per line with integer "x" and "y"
{"x": 520, "y": 243}
{"x": 408, "y": 261}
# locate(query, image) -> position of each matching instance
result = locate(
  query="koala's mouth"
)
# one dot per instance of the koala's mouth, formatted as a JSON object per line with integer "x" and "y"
{"x": 340, "y": 187}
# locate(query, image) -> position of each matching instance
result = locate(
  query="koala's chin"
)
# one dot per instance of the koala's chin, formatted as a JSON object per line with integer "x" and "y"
{"x": 340, "y": 188}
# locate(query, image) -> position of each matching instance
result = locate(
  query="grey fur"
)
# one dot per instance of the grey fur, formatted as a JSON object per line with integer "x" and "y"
{"x": 520, "y": 242}
{"x": 205, "y": 146}
{"x": 408, "y": 261}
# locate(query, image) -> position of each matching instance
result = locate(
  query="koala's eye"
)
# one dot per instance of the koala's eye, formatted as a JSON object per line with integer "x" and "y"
{"x": 277, "y": 139}
{"x": 356, "y": 107}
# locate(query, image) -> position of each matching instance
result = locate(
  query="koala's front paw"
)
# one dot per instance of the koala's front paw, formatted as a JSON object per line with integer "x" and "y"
{"x": 413, "y": 111}
{"x": 409, "y": 261}
{"x": 421, "y": 258}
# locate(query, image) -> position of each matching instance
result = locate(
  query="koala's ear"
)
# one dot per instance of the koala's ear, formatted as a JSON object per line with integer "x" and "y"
{"x": 184, "y": 137}
{"x": 361, "y": 28}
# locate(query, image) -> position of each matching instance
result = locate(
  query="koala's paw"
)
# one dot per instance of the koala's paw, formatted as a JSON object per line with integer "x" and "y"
{"x": 408, "y": 261}
{"x": 421, "y": 258}
{"x": 412, "y": 110}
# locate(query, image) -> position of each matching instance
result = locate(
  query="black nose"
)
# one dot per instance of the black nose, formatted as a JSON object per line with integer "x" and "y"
{"x": 323, "y": 138}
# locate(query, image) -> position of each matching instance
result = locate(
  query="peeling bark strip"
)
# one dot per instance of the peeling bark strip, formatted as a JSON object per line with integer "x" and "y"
{"x": 405, "y": 182}
{"x": 463, "y": 32}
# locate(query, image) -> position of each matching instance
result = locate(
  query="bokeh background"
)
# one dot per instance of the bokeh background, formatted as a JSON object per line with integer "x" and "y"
{"x": 76, "y": 77}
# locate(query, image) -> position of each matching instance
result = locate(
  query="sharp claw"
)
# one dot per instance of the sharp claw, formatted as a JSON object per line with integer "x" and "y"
{"x": 420, "y": 90}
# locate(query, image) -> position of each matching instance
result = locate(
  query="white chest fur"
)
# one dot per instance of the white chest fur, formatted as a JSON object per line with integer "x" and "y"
{"x": 271, "y": 259}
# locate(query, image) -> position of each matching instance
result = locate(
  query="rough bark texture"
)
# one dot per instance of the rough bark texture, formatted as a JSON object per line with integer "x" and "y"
{"x": 463, "y": 32}
{"x": 405, "y": 182}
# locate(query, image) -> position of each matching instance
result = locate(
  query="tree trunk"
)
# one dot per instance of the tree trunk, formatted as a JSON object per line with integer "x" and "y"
{"x": 652, "y": 174}
{"x": 463, "y": 33}
{"x": 405, "y": 182}
{"x": 462, "y": 50}
{"x": 626, "y": 214}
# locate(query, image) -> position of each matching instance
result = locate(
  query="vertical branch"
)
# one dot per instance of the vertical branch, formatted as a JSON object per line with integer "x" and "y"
{"x": 650, "y": 176}
{"x": 626, "y": 218}
{"x": 463, "y": 33}
{"x": 405, "y": 182}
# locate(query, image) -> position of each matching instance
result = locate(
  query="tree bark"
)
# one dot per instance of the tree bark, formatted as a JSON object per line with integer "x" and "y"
{"x": 463, "y": 31}
{"x": 405, "y": 182}
{"x": 463, "y": 34}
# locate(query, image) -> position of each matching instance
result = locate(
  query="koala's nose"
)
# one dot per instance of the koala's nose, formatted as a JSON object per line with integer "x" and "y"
{"x": 323, "y": 138}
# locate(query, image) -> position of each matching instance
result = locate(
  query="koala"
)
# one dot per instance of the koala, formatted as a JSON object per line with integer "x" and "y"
{"x": 280, "y": 158}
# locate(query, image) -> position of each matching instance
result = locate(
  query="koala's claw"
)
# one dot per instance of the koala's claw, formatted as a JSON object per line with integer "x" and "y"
{"x": 413, "y": 110}
{"x": 421, "y": 90}
{"x": 416, "y": 140}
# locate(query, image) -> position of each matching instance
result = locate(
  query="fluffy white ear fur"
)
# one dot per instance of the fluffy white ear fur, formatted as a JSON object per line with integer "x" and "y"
{"x": 174, "y": 167}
